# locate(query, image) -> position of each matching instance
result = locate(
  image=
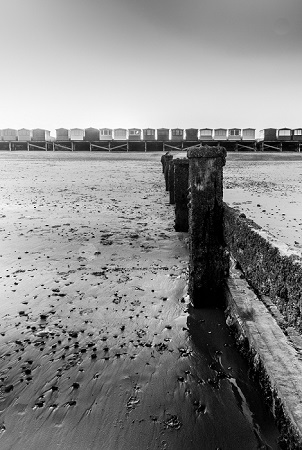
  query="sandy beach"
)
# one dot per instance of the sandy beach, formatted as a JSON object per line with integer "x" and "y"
{"x": 267, "y": 187}
{"x": 99, "y": 347}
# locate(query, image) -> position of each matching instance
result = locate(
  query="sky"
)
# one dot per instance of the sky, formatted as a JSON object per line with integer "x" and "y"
{"x": 150, "y": 63}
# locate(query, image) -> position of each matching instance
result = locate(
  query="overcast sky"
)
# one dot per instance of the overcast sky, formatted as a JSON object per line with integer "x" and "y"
{"x": 150, "y": 63}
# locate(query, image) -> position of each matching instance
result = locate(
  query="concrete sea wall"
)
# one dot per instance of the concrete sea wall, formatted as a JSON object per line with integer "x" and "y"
{"x": 263, "y": 298}
{"x": 271, "y": 267}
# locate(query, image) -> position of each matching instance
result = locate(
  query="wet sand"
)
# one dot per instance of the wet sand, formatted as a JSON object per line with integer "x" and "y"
{"x": 99, "y": 346}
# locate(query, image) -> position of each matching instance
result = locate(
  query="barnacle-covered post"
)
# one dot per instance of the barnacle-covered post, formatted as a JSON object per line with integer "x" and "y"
{"x": 208, "y": 264}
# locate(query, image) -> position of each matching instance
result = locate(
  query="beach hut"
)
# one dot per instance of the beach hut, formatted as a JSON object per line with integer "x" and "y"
{"x": 162, "y": 134}
{"x": 134, "y": 134}
{"x": 9, "y": 134}
{"x": 39, "y": 134}
{"x": 62, "y": 134}
{"x": 24, "y": 134}
{"x": 248, "y": 134}
{"x": 120, "y": 134}
{"x": 268, "y": 134}
{"x": 297, "y": 134}
{"x": 177, "y": 134}
{"x": 234, "y": 134}
{"x": 191, "y": 134}
{"x": 149, "y": 134}
{"x": 77, "y": 134}
{"x": 220, "y": 134}
{"x": 284, "y": 134}
{"x": 92, "y": 134}
{"x": 105, "y": 134}
{"x": 206, "y": 134}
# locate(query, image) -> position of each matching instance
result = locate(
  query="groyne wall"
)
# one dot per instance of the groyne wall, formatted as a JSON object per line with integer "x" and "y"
{"x": 262, "y": 281}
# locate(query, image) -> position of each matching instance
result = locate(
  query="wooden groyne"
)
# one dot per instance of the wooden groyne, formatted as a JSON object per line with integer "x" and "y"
{"x": 255, "y": 278}
{"x": 195, "y": 186}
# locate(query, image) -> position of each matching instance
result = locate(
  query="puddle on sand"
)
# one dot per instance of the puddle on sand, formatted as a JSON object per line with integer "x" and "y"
{"x": 235, "y": 415}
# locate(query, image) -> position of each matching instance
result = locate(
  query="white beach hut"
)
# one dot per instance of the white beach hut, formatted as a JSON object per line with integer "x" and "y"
{"x": 105, "y": 134}
{"x": 24, "y": 134}
{"x": 77, "y": 134}
{"x": 9, "y": 134}
{"x": 248, "y": 134}
{"x": 220, "y": 134}
{"x": 120, "y": 134}
{"x": 206, "y": 134}
{"x": 234, "y": 134}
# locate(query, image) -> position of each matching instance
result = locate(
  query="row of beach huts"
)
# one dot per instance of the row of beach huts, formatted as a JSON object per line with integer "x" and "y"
{"x": 151, "y": 134}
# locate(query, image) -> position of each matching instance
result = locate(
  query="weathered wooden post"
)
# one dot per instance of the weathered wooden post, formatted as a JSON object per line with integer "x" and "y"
{"x": 181, "y": 184}
{"x": 208, "y": 264}
{"x": 171, "y": 182}
{"x": 166, "y": 173}
{"x": 163, "y": 161}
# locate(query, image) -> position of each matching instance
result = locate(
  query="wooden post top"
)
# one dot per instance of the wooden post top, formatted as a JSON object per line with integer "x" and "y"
{"x": 206, "y": 152}
{"x": 181, "y": 160}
